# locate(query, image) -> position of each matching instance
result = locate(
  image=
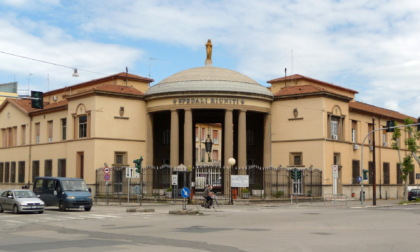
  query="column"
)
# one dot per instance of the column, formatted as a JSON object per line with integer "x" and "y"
{"x": 242, "y": 159}
{"x": 174, "y": 138}
{"x": 188, "y": 138}
{"x": 148, "y": 173}
{"x": 268, "y": 174}
{"x": 267, "y": 141}
{"x": 228, "y": 148}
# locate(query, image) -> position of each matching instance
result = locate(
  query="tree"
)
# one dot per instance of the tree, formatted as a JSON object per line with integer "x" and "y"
{"x": 406, "y": 163}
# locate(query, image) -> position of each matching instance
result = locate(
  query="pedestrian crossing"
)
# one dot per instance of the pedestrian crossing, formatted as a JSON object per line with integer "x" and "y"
{"x": 10, "y": 219}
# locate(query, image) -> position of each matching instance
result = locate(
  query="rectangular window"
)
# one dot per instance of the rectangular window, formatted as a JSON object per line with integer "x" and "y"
{"x": 4, "y": 137}
{"x": 48, "y": 168}
{"x": 9, "y": 137}
{"x": 384, "y": 139}
{"x": 1, "y": 172}
{"x": 7, "y": 172}
{"x": 215, "y": 156}
{"x": 371, "y": 168}
{"x": 35, "y": 169}
{"x": 50, "y": 131}
{"x": 203, "y": 134}
{"x": 82, "y": 126}
{"x": 196, "y": 134}
{"x": 386, "y": 173}
{"x": 23, "y": 134}
{"x": 370, "y": 128}
{"x": 399, "y": 175}
{"x": 203, "y": 155}
{"x": 354, "y": 131}
{"x": 295, "y": 159}
{"x": 334, "y": 127}
{"x": 61, "y": 168}
{"x": 37, "y": 132}
{"x": 21, "y": 172}
{"x": 120, "y": 159}
{"x": 14, "y": 132}
{"x": 355, "y": 171}
{"x": 13, "y": 172}
{"x": 215, "y": 136}
{"x": 63, "y": 128}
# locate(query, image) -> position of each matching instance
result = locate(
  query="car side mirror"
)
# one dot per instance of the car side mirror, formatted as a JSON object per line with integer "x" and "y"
{"x": 90, "y": 190}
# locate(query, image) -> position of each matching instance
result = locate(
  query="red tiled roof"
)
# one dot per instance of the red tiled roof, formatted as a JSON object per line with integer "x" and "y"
{"x": 305, "y": 89}
{"x": 119, "y": 89}
{"x": 121, "y": 75}
{"x": 386, "y": 113}
{"x": 301, "y": 77}
{"x": 26, "y": 106}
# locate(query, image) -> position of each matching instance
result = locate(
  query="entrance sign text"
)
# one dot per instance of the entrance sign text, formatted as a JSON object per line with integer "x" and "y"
{"x": 208, "y": 100}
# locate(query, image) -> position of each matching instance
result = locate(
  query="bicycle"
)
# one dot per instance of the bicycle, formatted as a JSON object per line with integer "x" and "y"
{"x": 203, "y": 203}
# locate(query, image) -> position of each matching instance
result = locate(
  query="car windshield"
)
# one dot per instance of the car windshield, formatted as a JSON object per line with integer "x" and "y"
{"x": 25, "y": 194}
{"x": 74, "y": 185}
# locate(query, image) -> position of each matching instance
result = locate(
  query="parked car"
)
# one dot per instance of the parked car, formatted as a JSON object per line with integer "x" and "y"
{"x": 413, "y": 194}
{"x": 63, "y": 192}
{"x": 20, "y": 201}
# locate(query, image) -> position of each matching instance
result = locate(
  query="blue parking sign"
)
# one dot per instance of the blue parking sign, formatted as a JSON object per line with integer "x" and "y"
{"x": 185, "y": 192}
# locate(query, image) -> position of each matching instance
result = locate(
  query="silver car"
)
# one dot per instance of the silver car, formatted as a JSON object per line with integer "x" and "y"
{"x": 20, "y": 201}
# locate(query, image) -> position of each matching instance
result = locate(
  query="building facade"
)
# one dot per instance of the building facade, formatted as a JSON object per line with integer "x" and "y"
{"x": 297, "y": 122}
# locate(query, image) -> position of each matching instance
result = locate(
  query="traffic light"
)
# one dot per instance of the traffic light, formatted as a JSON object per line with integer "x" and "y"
{"x": 38, "y": 101}
{"x": 138, "y": 164}
{"x": 293, "y": 174}
{"x": 390, "y": 124}
{"x": 296, "y": 174}
{"x": 365, "y": 174}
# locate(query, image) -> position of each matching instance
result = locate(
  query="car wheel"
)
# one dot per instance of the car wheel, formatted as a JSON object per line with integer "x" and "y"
{"x": 1, "y": 209}
{"x": 88, "y": 208}
{"x": 61, "y": 206}
{"x": 15, "y": 209}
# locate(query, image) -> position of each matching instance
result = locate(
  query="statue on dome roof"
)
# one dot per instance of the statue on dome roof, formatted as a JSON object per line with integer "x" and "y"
{"x": 209, "y": 49}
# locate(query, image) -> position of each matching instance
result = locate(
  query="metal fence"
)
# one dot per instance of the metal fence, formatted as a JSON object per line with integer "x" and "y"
{"x": 156, "y": 182}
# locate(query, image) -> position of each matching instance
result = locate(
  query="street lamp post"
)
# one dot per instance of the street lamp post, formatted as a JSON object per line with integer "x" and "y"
{"x": 209, "y": 144}
{"x": 231, "y": 162}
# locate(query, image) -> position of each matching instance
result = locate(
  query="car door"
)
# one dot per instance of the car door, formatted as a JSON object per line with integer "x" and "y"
{"x": 7, "y": 203}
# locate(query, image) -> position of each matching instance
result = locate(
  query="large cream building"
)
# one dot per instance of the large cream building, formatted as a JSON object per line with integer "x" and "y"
{"x": 298, "y": 122}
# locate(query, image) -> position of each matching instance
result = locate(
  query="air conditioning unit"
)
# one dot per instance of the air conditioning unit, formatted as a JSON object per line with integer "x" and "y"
{"x": 55, "y": 98}
{"x": 334, "y": 137}
{"x": 355, "y": 147}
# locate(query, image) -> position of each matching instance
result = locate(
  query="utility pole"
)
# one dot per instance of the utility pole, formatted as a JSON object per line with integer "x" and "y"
{"x": 374, "y": 163}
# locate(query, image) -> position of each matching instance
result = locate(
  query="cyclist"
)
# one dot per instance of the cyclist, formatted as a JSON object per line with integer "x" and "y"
{"x": 208, "y": 195}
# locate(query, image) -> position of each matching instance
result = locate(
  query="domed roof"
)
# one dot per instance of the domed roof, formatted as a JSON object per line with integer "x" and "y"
{"x": 208, "y": 79}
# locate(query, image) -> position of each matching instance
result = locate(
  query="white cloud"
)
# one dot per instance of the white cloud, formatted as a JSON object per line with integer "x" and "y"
{"x": 370, "y": 46}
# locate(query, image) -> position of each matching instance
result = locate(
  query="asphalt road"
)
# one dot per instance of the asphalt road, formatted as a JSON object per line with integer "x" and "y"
{"x": 263, "y": 227}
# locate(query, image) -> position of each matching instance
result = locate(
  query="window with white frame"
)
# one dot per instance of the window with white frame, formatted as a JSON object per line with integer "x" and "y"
{"x": 63, "y": 128}
{"x": 50, "y": 131}
{"x": 83, "y": 126}
{"x": 334, "y": 127}
{"x": 37, "y": 132}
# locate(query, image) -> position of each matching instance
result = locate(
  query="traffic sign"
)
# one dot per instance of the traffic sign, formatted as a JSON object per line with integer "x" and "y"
{"x": 174, "y": 179}
{"x": 107, "y": 169}
{"x": 107, "y": 176}
{"x": 185, "y": 192}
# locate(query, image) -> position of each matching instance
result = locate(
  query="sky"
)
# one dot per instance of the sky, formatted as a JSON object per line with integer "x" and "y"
{"x": 372, "y": 47}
